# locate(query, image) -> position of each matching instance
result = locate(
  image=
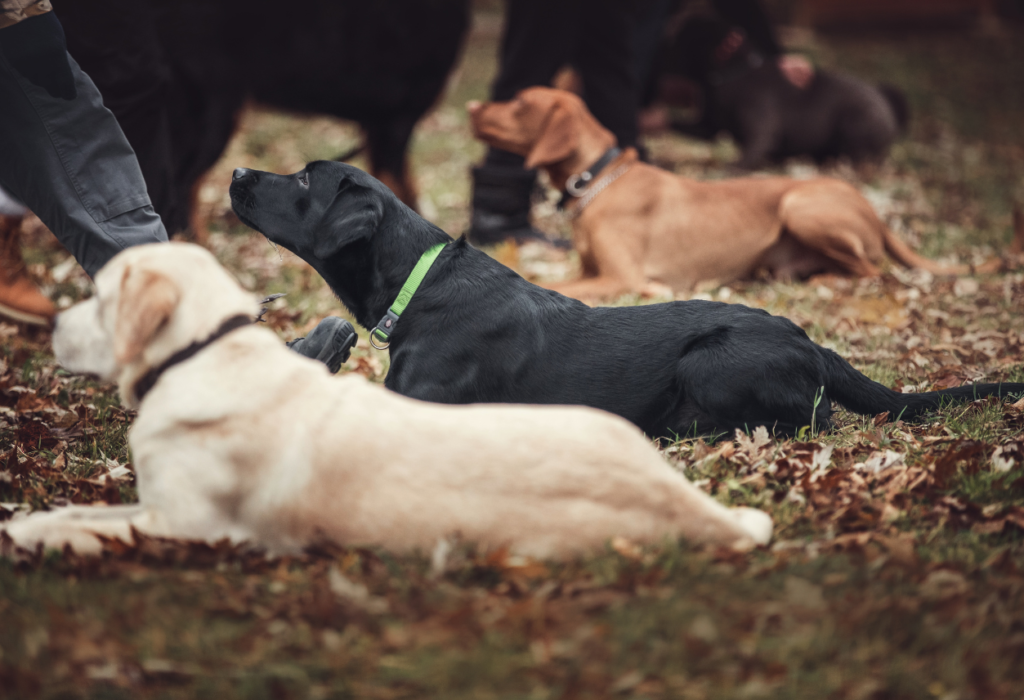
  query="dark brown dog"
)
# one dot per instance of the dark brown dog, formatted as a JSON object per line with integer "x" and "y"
{"x": 746, "y": 95}
{"x": 645, "y": 229}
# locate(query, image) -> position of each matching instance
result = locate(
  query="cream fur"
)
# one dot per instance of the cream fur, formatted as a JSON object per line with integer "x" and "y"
{"x": 250, "y": 441}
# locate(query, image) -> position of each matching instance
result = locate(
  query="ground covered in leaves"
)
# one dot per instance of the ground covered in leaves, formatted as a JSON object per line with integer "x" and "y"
{"x": 897, "y": 568}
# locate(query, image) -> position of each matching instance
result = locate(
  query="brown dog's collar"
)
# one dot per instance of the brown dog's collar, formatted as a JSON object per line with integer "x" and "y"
{"x": 578, "y": 183}
{"x": 598, "y": 187}
{"x": 149, "y": 379}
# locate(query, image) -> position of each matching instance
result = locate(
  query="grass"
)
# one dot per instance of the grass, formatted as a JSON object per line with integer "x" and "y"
{"x": 895, "y": 571}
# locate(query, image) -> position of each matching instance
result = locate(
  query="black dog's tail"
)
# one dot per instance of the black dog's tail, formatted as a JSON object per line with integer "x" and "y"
{"x": 898, "y": 102}
{"x": 854, "y": 391}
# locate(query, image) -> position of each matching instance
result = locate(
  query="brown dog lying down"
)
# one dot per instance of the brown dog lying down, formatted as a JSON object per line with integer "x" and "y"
{"x": 639, "y": 228}
{"x": 246, "y": 439}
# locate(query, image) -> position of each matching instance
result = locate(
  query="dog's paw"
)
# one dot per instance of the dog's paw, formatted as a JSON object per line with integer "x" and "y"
{"x": 757, "y": 523}
{"x": 27, "y": 534}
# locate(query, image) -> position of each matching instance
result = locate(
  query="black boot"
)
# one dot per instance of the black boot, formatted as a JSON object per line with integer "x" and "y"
{"x": 501, "y": 206}
{"x": 330, "y": 342}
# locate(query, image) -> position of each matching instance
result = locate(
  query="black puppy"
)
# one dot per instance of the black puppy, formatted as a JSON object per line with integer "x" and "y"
{"x": 475, "y": 331}
{"x": 747, "y": 96}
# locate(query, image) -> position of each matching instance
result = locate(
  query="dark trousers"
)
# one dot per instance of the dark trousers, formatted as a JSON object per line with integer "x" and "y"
{"x": 69, "y": 162}
{"x": 594, "y": 36}
{"x": 116, "y": 43}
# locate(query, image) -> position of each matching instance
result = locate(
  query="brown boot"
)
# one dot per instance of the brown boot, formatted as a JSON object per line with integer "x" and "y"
{"x": 20, "y": 299}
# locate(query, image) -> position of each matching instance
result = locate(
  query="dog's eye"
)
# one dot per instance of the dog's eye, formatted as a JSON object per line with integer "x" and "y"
{"x": 304, "y": 179}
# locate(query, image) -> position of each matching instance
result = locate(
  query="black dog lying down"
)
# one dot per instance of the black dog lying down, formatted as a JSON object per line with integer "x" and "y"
{"x": 747, "y": 96}
{"x": 475, "y": 331}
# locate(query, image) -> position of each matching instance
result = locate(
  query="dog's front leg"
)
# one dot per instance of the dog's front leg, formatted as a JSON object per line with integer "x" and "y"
{"x": 609, "y": 253}
{"x": 78, "y": 527}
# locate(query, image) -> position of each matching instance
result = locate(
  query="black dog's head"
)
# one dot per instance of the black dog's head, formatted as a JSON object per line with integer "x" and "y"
{"x": 316, "y": 212}
{"x": 345, "y": 223}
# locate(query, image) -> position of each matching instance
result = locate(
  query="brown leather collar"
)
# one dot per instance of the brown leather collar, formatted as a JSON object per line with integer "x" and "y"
{"x": 149, "y": 379}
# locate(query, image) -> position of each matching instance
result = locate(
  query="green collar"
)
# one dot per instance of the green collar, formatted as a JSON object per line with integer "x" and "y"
{"x": 386, "y": 326}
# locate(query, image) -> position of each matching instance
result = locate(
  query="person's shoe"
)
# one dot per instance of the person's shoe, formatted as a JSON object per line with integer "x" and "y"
{"x": 20, "y": 299}
{"x": 330, "y": 342}
{"x": 501, "y": 207}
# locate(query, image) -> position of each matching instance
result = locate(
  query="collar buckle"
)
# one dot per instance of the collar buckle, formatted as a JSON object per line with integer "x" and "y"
{"x": 383, "y": 330}
{"x": 576, "y": 185}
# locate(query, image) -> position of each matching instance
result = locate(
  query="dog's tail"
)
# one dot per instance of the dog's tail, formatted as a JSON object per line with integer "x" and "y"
{"x": 908, "y": 257}
{"x": 898, "y": 103}
{"x": 857, "y": 393}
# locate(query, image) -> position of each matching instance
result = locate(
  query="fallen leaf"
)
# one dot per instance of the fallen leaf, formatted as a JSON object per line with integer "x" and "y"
{"x": 355, "y": 593}
{"x": 881, "y": 460}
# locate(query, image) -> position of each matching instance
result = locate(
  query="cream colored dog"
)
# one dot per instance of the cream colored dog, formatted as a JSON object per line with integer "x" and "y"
{"x": 246, "y": 439}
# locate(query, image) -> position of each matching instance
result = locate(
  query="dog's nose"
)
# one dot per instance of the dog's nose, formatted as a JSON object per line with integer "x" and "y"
{"x": 239, "y": 173}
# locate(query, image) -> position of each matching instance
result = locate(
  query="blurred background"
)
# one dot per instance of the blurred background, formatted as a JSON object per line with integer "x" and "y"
{"x": 949, "y": 185}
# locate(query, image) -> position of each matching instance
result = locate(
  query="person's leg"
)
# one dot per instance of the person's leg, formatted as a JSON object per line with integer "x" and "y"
{"x": 69, "y": 162}
{"x": 116, "y": 44}
{"x": 648, "y": 35}
{"x": 538, "y": 40}
{"x": 607, "y": 64}
{"x": 20, "y": 299}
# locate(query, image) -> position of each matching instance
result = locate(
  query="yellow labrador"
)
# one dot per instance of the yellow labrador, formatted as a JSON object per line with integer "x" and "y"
{"x": 245, "y": 439}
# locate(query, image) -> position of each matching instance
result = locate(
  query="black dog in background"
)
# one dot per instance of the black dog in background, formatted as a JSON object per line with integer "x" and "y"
{"x": 475, "y": 331}
{"x": 176, "y": 72}
{"x": 746, "y": 95}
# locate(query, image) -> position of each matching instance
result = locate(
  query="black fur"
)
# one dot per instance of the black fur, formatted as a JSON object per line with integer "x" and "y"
{"x": 478, "y": 332}
{"x": 176, "y": 72}
{"x": 771, "y": 119}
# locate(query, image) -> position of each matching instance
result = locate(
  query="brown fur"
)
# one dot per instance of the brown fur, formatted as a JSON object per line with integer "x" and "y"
{"x": 147, "y": 301}
{"x": 651, "y": 230}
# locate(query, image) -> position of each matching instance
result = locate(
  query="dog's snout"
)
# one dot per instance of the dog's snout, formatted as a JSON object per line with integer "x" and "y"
{"x": 240, "y": 173}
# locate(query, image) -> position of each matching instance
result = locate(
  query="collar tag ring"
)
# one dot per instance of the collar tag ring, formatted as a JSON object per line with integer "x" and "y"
{"x": 576, "y": 185}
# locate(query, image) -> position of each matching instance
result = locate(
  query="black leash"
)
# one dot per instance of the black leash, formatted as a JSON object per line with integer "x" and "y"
{"x": 149, "y": 379}
{"x": 576, "y": 185}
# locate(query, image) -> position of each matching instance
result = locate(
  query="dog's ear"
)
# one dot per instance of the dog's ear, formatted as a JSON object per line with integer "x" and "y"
{"x": 146, "y": 303}
{"x": 355, "y": 213}
{"x": 558, "y": 139}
